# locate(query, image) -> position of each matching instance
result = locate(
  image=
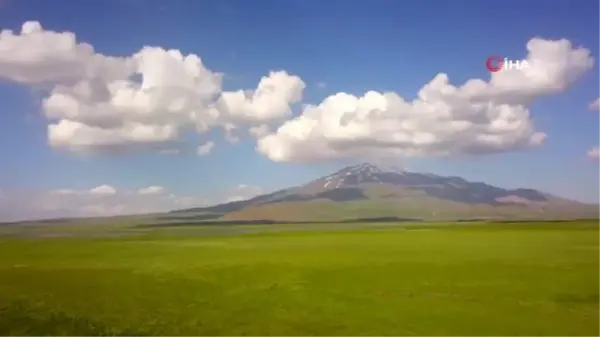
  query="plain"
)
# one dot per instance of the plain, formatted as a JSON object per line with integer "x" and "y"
{"x": 372, "y": 279}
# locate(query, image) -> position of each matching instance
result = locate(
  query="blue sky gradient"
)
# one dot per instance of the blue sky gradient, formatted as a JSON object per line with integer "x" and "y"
{"x": 345, "y": 46}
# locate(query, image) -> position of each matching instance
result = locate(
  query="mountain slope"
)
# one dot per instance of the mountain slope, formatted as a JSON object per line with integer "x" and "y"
{"x": 366, "y": 190}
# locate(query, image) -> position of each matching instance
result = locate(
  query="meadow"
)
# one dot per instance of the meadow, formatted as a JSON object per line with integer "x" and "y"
{"x": 372, "y": 279}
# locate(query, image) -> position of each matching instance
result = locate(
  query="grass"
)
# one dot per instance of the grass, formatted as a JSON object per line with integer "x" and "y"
{"x": 411, "y": 205}
{"x": 467, "y": 279}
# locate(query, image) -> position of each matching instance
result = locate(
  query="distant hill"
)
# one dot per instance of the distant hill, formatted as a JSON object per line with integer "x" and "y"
{"x": 369, "y": 191}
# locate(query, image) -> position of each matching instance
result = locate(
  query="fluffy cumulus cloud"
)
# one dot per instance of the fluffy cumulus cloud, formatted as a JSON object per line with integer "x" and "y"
{"x": 474, "y": 118}
{"x": 35, "y": 56}
{"x": 151, "y": 99}
{"x": 270, "y": 101}
{"x": 101, "y": 103}
{"x": 594, "y": 153}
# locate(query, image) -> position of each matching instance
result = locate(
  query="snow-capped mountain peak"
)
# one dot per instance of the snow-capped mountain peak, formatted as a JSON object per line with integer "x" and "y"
{"x": 393, "y": 187}
{"x": 351, "y": 179}
{"x": 368, "y": 168}
{"x": 362, "y": 174}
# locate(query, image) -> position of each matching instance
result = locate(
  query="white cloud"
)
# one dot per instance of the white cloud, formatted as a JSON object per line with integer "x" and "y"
{"x": 259, "y": 131}
{"x": 595, "y": 105}
{"x": 151, "y": 99}
{"x": 175, "y": 91}
{"x": 106, "y": 200}
{"x": 321, "y": 85}
{"x": 594, "y": 153}
{"x": 98, "y": 201}
{"x": 205, "y": 148}
{"x": 103, "y": 190}
{"x": 476, "y": 118}
{"x": 63, "y": 192}
{"x": 152, "y": 190}
{"x": 270, "y": 101}
{"x": 244, "y": 192}
{"x": 99, "y": 103}
{"x": 36, "y": 56}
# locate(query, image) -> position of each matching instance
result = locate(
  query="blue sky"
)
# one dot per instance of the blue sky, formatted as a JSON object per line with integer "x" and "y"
{"x": 334, "y": 46}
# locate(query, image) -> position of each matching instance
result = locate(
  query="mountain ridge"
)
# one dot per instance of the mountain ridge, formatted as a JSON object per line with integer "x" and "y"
{"x": 394, "y": 191}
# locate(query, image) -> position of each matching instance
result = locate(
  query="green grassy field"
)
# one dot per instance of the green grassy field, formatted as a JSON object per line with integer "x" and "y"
{"x": 476, "y": 279}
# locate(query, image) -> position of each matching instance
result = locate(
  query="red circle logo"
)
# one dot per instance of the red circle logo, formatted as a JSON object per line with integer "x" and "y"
{"x": 494, "y": 63}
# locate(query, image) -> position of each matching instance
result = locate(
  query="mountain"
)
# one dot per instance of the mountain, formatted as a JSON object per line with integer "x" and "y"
{"x": 370, "y": 191}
